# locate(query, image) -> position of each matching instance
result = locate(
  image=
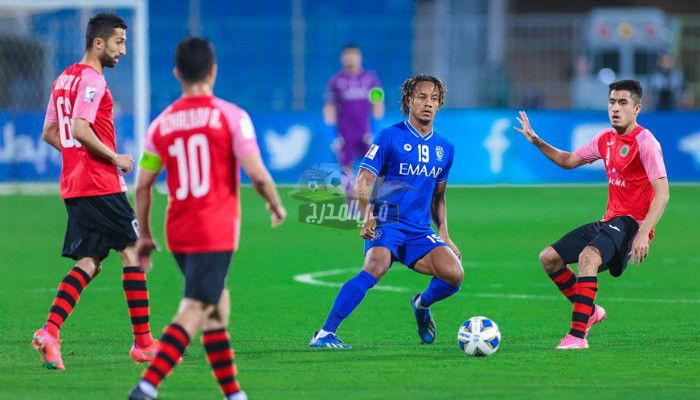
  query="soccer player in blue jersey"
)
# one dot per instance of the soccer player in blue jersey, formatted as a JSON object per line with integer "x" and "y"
{"x": 407, "y": 168}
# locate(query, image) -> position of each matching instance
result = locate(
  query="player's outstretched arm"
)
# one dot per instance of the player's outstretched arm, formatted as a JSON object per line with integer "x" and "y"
{"x": 145, "y": 244}
{"x": 562, "y": 158}
{"x": 83, "y": 133}
{"x": 438, "y": 211}
{"x": 265, "y": 187}
{"x": 640, "y": 245}
{"x": 50, "y": 134}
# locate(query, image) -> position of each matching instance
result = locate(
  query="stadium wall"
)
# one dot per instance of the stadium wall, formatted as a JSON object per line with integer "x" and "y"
{"x": 488, "y": 150}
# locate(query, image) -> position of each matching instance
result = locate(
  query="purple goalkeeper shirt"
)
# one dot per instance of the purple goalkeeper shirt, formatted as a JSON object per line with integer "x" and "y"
{"x": 350, "y": 93}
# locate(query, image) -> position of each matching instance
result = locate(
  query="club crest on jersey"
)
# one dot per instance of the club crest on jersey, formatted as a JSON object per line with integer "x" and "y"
{"x": 407, "y": 147}
{"x": 624, "y": 151}
{"x": 439, "y": 152}
{"x": 90, "y": 94}
{"x": 372, "y": 152}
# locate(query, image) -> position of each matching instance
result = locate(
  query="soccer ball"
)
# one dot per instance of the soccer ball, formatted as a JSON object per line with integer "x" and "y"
{"x": 479, "y": 337}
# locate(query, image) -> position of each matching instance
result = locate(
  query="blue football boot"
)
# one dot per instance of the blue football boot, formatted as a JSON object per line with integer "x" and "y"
{"x": 425, "y": 322}
{"x": 329, "y": 341}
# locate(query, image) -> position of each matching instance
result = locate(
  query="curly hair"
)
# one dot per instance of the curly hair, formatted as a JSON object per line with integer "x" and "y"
{"x": 409, "y": 85}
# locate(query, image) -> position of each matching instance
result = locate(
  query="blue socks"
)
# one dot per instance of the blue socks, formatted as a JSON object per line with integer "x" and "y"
{"x": 436, "y": 291}
{"x": 349, "y": 297}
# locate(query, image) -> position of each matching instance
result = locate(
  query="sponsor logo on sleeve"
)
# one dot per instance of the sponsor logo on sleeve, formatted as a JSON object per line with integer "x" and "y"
{"x": 372, "y": 152}
{"x": 90, "y": 94}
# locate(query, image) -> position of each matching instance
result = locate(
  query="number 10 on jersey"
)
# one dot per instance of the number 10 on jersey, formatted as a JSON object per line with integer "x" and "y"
{"x": 193, "y": 165}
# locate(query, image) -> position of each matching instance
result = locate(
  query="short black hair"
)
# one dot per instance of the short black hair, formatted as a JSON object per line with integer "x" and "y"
{"x": 194, "y": 58}
{"x": 409, "y": 85}
{"x": 102, "y": 26}
{"x": 350, "y": 46}
{"x": 632, "y": 86}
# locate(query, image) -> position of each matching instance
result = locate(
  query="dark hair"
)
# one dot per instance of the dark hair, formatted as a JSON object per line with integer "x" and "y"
{"x": 349, "y": 46}
{"x": 629, "y": 85}
{"x": 194, "y": 58}
{"x": 409, "y": 86}
{"x": 102, "y": 26}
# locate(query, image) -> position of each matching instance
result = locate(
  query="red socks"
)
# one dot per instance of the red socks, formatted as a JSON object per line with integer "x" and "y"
{"x": 217, "y": 344}
{"x": 136, "y": 292}
{"x": 172, "y": 345}
{"x": 67, "y": 297}
{"x": 586, "y": 290}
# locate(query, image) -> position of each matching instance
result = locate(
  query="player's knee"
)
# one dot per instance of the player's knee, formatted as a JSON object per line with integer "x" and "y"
{"x": 128, "y": 256}
{"x": 223, "y": 309}
{"x": 215, "y": 320}
{"x": 588, "y": 261}
{"x": 550, "y": 260}
{"x": 376, "y": 269}
{"x": 377, "y": 265}
{"x": 192, "y": 313}
{"x": 90, "y": 266}
{"x": 456, "y": 275}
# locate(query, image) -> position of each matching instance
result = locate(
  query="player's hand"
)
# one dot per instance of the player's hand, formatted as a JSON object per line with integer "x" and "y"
{"x": 527, "y": 130}
{"x": 144, "y": 247}
{"x": 125, "y": 162}
{"x": 454, "y": 248}
{"x": 640, "y": 247}
{"x": 279, "y": 214}
{"x": 337, "y": 144}
{"x": 369, "y": 227}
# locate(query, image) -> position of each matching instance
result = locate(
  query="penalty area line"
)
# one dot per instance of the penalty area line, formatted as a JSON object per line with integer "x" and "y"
{"x": 313, "y": 278}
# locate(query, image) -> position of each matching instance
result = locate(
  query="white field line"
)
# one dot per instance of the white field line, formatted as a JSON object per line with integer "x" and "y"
{"x": 312, "y": 279}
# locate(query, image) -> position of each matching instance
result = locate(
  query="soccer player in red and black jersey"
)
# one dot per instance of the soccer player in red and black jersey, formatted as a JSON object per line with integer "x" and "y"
{"x": 200, "y": 140}
{"x": 79, "y": 123}
{"x": 637, "y": 197}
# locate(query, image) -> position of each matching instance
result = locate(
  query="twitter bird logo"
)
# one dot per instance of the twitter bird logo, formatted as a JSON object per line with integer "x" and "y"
{"x": 691, "y": 145}
{"x": 286, "y": 151}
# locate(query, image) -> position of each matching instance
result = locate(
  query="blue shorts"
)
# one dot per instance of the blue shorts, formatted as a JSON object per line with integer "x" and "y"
{"x": 407, "y": 244}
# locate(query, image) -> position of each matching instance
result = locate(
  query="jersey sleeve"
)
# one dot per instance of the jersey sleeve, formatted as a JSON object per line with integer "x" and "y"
{"x": 589, "y": 152}
{"x": 376, "y": 83}
{"x": 651, "y": 155}
{"x": 91, "y": 88}
{"x": 51, "y": 111}
{"x": 442, "y": 177}
{"x": 151, "y": 159}
{"x": 378, "y": 154}
{"x": 243, "y": 135}
{"x": 329, "y": 94}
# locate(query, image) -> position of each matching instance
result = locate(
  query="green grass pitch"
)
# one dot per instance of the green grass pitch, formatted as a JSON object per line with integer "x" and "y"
{"x": 647, "y": 349}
